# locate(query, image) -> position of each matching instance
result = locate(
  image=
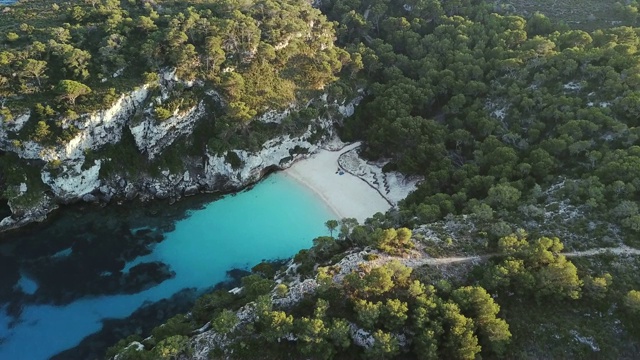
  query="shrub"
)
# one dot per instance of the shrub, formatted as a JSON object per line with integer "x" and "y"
{"x": 233, "y": 159}
{"x": 162, "y": 113}
{"x": 11, "y": 37}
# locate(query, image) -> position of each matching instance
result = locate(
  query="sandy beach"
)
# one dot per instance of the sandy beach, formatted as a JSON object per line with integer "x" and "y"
{"x": 347, "y": 195}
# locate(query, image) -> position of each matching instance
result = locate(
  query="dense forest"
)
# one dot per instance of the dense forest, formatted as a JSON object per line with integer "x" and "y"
{"x": 386, "y": 307}
{"x": 64, "y": 58}
{"x": 62, "y": 61}
{"x": 496, "y": 110}
{"x": 525, "y": 129}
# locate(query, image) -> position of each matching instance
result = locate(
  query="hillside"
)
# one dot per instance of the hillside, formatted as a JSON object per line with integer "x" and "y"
{"x": 519, "y": 125}
{"x": 524, "y": 126}
{"x": 185, "y": 95}
{"x": 381, "y": 295}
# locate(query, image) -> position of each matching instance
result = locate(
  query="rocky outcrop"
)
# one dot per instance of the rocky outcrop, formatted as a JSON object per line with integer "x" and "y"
{"x": 69, "y": 181}
{"x": 72, "y": 177}
{"x": 278, "y": 153}
{"x": 273, "y": 116}
{"x": 18, "y": 123}
{"x": 392, "y": 185}
{"x": 206, "y": 339}
{"x": 73, "y": 182}
{"x": 349, "y": 108}
{"x": 153, "y": 136}
{"x": 35, "y": 212}
{"x": 94, "y": 131}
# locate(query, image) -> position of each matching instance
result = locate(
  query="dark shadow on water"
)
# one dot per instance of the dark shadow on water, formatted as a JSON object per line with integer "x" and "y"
{"x": 5, "y": 210}
{"x": 143, "y": 320}
{"x": 82, "y": 251}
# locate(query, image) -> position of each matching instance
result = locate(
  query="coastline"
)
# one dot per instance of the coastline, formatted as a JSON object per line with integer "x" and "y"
{"x": 347, "y": 195}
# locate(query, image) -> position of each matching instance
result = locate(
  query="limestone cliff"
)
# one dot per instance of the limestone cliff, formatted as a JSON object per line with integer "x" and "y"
{"x": 71, "y": 176}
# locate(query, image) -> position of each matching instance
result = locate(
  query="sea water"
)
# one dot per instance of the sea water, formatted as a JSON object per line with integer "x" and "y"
{"x": 275, "y": 219}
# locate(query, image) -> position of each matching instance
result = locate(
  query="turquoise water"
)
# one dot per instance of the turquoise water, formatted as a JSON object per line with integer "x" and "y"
{"x": 275, "y": 219}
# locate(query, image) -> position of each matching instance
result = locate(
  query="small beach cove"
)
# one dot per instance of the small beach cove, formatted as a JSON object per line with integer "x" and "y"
{"x": 63, "y": 279}
{"x": 348, "y": 196}
{"x": 349, "y": 185}
{"x": 91, "y": 268}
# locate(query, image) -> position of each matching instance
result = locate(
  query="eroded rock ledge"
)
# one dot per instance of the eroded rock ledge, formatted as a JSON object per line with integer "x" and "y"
{"x": 77, "y": 179}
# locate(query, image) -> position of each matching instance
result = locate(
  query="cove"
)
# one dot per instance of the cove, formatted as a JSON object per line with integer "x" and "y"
{"x": 62, "y": 280}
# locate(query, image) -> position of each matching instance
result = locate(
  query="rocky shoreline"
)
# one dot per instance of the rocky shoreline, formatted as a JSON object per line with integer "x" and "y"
{"x": 216, "y": 177}
{"x": 73, "y": 181}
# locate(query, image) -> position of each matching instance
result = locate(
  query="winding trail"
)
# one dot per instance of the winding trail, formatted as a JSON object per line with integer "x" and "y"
{"x": 620, "y": 250}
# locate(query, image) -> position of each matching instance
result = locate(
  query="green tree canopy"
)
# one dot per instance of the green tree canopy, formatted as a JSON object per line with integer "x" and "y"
{"x": 70, "y": 90}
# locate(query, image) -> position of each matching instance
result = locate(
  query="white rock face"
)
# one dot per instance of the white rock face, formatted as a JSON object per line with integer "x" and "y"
{"x": 273, "y": 116}
{"x": 134, "y": 345}
{"x": 12, "y": 125}
{"x": 572, "y": 86}
{"x": 275, "y": 152}
{"x": 360, "y": 336}
{"x": 348, "y": 109}
{"x": 96, "y": 129}
{"x": 153, "y": 136}
{"x": 18, "y": 122}
{"x": 118, "y": 73}
{"x": 297, "y": 291}
{"x": 211, "y": 172}
{"x": 73, "y": 181}
{"x": 169, "y": 77}
{"x": 105, "y": 127}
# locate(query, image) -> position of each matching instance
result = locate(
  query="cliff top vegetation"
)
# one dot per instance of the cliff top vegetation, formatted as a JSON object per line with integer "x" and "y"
{"x": 515, "y": 122}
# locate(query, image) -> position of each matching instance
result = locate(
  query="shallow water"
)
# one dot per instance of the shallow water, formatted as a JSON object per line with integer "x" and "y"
{"x": 63, "y": 279}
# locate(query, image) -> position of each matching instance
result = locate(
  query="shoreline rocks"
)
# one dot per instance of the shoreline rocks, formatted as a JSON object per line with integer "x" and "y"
{"x": 74, "y": 181}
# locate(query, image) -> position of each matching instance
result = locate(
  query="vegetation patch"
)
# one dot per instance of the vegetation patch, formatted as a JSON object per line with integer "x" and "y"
{"x": 233, "y": 159}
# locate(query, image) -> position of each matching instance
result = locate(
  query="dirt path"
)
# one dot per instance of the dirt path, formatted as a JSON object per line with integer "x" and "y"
{"x": 620, "y": 250}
